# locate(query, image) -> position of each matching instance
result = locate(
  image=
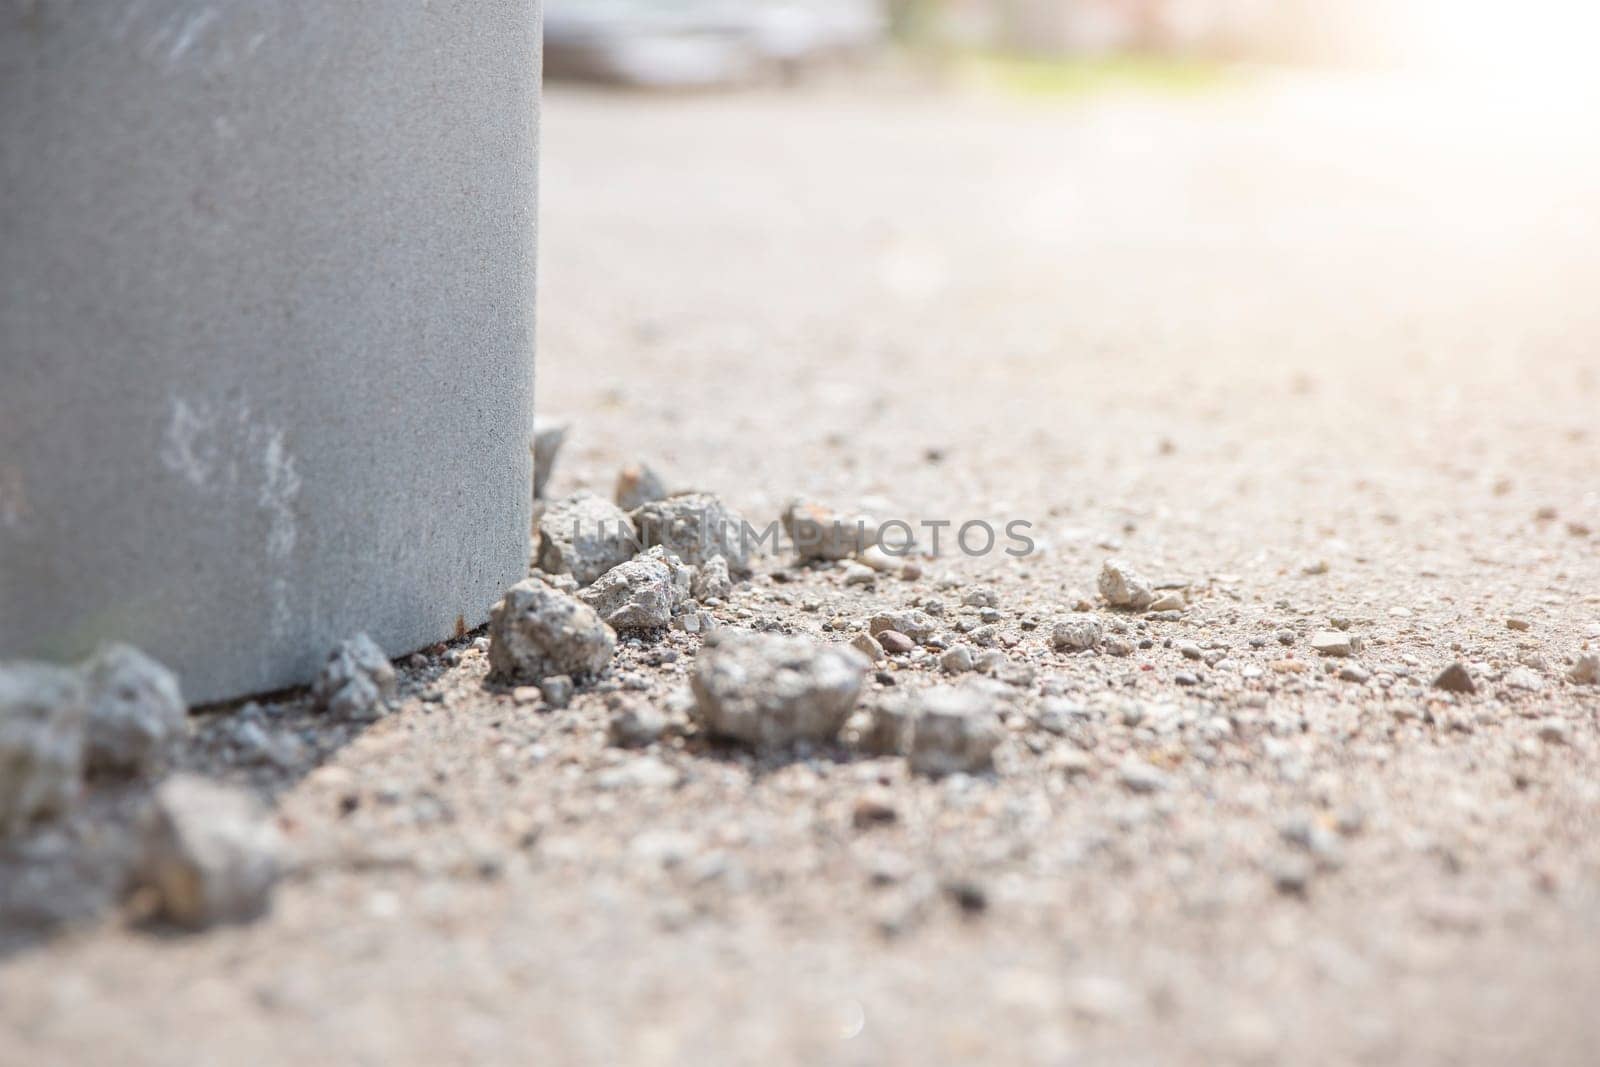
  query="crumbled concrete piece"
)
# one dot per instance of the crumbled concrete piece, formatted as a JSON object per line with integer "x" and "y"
{"x": 887, "y": 731}
{"x": 210, "y": 853}
{"x": 536, "y": 631}
{"x": 638, "y": 485}
{"x": 44, "y": 712}
{"x": 685, "y": 579}
{"x": 356, "y": 682}
{"x": 136, "y": 711}
{"x": 868, "y": 646}
{"x": 857, "y": 574}
{"x": 1169, "y": 601}
{"x": 955, "y": 731}
{"x": 1333, "y": 643}
{"x": 956, "y": 660}
{"x": 636, "y": 596}
{"x": 1586, "y": 671}
{"x": 771, "y": 691}
{"x": 636, "y": 724}
{"x": 696, "y": 528}
{"x": 917, "y": 625}
{"x": 584, "y": 536}
{"x": 548, "y": 438}
{"x": 1077, "y": 633}
{"x": 712, "y": 581}
{"x": 991, "y": 661}
{"x": 1455, "y": 679}
{"x": 980, "y": 596}
{"x": 1124, "y": 587}
{"x": 819, "y": 532}
{"x": 895, "y": 643}
{"x": 556, "y": 689}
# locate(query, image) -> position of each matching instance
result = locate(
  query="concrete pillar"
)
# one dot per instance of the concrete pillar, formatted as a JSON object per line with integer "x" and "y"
{"x": 266, "y": 326}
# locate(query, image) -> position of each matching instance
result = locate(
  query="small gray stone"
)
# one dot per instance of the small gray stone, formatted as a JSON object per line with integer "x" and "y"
{"x": 136, "y": 711}
{"x": 1333, "y": 643}
{"x": 638, "y": 485}
{"x": 1169, "y": 601}
{"x": 820, "y": 533}
{"x": 585, "y": 536}
{"x": 356, "y": 682}
{"x": 1190, "y": 650}
{"x": 556, "y": 689}
{"x": 536, "y": 631}
{"x": 633, "y": 597}
{"x": 1586, "y": 671}
{"x": 771, "y": 691}
{"x": 1354, "y": 673}
{"x": 888, "y": 727}
{"x": 209, "y": 853}
{"x": 44, "y": 712}
{"x": 956, "y": 660}
{"x": 712, "y": 581}
{"x": 1124, "y": 587}
{"x": 1455, "y": 679}
{"x": 548, "y": 438}
{"x": 1076, "y": 633}
{"x": 636, "y": 724}
{"x": 917, "y": 625}
{"x": 991, "y": 661}
{"x": 980, "y": 596}
{"x": 859, "y": 574}
{"x": 868, "y": 646}
{"x": 955, "y": 730}
{"x": 696, "y": 528}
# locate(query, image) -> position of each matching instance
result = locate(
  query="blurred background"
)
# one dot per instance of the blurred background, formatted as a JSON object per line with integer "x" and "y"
{"x": 729, "y": 42}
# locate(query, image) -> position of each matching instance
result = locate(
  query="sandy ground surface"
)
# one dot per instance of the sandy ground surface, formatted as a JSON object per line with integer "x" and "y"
{"x": 1316, "y": 353}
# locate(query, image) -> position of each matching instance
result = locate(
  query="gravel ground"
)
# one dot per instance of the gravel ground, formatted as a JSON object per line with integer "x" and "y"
{"x": 1320, "y": 359}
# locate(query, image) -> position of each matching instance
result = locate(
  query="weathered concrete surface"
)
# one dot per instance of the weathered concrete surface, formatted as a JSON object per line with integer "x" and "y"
{"x": 266, "y": 327}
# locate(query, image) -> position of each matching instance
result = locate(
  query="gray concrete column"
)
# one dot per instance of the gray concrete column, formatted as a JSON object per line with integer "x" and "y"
{"x": 266, "y": 326}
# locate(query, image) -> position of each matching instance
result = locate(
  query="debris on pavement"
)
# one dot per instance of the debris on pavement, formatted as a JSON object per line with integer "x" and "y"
{"x": 357, "y": 682}
{"x": 136, "y": 711}
{"x": 44, "y": 712}
{"x": 633, "y": 597}
{"x": 545, "y": 444}
{"x": 954, "y": 730}
{"x": 771, "y": 691}
{"x": 209, "y": 853}
{"x": 1076, "y": 633}
{"x": 695, "y": 527}
{"x": 536, "y": 631}
{"x": 585, "y": 536}
{"x": 820, "y": 533}
{"x": 638, "y": 485}
{"x": 1124, "y": 587}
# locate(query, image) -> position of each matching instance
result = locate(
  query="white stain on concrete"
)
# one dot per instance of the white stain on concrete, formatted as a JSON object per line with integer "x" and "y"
{"x": 188, "y": 31}
{"x": 224, "y": 452}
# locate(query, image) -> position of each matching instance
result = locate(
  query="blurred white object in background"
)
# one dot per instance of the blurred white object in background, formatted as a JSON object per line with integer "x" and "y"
{"x": 692, "y": 43}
